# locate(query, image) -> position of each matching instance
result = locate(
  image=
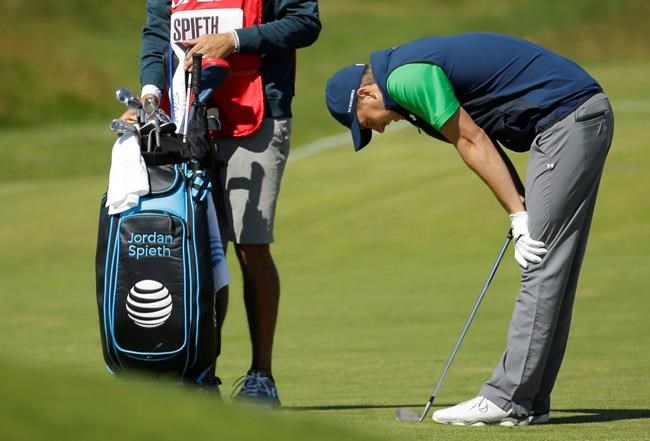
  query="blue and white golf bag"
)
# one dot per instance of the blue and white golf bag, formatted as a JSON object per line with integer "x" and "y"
{"x": 154, "y": 267}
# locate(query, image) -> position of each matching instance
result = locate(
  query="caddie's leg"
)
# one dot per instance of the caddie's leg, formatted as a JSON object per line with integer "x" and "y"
{"x": 261, "y": 297}
{"x": 564, "y": 169}
{"x": 251, "y": 180}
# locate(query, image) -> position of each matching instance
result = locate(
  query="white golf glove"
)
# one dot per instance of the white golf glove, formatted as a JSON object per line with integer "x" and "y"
{"x": 527, "y": 250}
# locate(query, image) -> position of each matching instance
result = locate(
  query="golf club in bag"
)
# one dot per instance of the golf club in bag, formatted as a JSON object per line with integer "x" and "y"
{"x": 404, "y": 414}
{"x": 154, "y": 262}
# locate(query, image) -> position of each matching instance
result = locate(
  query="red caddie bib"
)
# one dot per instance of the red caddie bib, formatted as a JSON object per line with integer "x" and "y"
{"x": 240, "y": 98}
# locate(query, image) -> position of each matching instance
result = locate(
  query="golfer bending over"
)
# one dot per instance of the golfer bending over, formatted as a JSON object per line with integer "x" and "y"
{"x": 481, "y": 91}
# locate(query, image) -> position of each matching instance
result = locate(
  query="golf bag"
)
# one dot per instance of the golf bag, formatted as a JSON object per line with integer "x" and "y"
{"x": 154, "y": 267}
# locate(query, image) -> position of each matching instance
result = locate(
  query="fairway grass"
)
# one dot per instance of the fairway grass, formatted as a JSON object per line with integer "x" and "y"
{"x": 382, "y": 254}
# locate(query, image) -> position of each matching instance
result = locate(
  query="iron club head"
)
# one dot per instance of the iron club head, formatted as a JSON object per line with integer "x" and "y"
{"x": 167, "y": 127}
{"x": 128, "y": 98}
{"x": 404, "y": 414}
{"x": 119, "y": 126}
{"x": 122, "y": 94}
{"x": 150, "y": 106}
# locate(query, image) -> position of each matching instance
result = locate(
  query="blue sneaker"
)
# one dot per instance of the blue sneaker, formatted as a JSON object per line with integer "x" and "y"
{"x": 256, "y": 387}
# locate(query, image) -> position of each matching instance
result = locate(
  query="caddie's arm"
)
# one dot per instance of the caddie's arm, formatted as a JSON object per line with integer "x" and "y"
{"x": 297, "y": 25}
{"x": 155, "y": 38}
{"x": 155, "y": 34}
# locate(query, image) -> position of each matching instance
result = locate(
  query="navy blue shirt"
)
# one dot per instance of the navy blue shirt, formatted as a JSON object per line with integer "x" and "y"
{"x": 286, "y": 26}
{"x": 512, "y": 88}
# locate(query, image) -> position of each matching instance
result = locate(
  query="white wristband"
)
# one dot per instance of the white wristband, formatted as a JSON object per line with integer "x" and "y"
{"x": 150, "y": 89}
{"x": 236, "y": 37}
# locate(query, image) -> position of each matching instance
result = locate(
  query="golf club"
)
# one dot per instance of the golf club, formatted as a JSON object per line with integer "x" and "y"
{"x": 123, "y": 94}
{"x": 131, "y": 101}
{"x": 167, "y": 127}
{"x": 128, "y": 98}
{"x": 194, "y": 86}
{"x": 404, "y": 414}
{"x": 187, "y": 107}
{"x": 150, "y": 106}
{"x": 213, "y": 73}
{"x": 121, "y": 127}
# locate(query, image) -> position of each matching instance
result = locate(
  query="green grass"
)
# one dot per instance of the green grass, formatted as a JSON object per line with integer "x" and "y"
{"x": 45, "y": 406}
{"x": 382, "y": 254}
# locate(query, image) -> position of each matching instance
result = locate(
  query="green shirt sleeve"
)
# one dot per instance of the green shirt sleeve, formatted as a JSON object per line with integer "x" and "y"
{"x": 425, "y": 90}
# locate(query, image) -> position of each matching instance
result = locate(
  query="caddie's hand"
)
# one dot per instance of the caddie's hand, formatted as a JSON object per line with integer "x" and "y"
{"x": 527, "y": 250}
{"x": 210, "y": 45}
{"x": 129, "y": 116}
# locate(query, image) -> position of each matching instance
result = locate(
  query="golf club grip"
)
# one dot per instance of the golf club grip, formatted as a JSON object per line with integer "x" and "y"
{"x": 196, "y": 74}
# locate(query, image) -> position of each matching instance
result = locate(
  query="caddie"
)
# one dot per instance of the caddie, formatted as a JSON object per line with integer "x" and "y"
{"x": 481, "y": 92}
{"x": 259, "y": 40}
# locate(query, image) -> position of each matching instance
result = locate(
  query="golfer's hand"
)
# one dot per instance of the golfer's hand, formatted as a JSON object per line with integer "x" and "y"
{"x": 210, "y": 45}
{"x": 527, "y": 250}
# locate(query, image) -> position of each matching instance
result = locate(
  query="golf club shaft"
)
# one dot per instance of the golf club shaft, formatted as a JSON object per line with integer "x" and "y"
{"x": 467, "y": 324}
{"x": 187, "y": 106}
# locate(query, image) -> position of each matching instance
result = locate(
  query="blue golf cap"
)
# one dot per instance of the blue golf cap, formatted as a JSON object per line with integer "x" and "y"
{"x": 341, "y": 98}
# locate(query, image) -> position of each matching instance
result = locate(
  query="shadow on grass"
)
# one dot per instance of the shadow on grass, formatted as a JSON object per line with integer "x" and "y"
{"x": 360, "y": 406}
{"x": 597, "y": 415}
{"x": 585, "y": 415}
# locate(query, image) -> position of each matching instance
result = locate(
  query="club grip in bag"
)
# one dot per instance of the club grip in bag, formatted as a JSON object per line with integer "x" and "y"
{"x": 196, "y": 74}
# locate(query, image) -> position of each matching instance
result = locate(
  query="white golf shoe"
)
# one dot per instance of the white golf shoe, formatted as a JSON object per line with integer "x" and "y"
{"x": 478, "y": 411}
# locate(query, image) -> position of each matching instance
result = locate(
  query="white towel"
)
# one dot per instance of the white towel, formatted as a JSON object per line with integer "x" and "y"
{"x": 128, "y": 179}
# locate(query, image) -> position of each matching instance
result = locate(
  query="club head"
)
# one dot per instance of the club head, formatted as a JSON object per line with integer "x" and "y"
{"x": 150, "y": 106}
{"x": 119, "y": 126}
{"x": 123, "y": 94}
{"x": 162, "y": 116}
{"x": 133, "y": 103}
{"x": 404, "y": 414}
{"x": 147, "y": 128}
{"x": 167, "y": 127}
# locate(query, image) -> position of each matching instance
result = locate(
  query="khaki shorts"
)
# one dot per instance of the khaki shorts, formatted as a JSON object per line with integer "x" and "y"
{"x": 246, "y": 175}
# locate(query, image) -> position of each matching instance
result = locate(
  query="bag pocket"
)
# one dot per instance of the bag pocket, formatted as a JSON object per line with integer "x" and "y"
{"x": 148, "y": 307}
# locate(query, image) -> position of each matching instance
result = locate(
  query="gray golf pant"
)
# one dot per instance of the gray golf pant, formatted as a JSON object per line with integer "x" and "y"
{"x": 564, "y": 169}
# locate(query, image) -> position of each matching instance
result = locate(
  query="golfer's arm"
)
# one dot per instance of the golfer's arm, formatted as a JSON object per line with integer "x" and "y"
{"x": 478, "y": 152}
{"x": 512, "y": 170}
